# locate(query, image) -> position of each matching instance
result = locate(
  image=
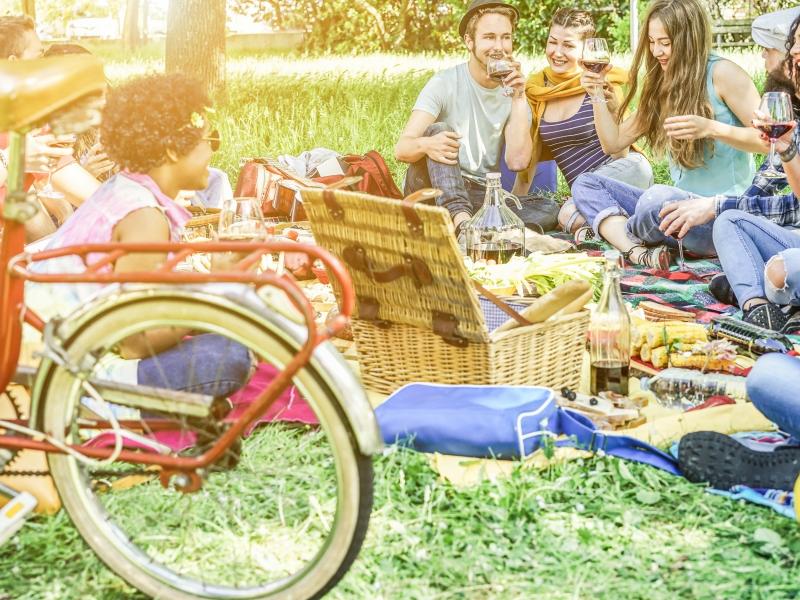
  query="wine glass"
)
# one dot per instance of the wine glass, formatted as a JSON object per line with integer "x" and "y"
{"x": 595, "y": 58}
{"x": 240, "y": 219}
{"x": 498, "y": 68}
{"x": 774, "y": 117}
{"x": 48, "y": 192}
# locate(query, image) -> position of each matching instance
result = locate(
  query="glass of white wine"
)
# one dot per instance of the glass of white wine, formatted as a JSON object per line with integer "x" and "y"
{"x": 240, "y": 220}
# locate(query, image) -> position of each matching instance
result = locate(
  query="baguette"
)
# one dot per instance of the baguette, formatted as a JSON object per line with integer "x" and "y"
{"x": 577, "y": 304}
{"x": 545, "y": 307}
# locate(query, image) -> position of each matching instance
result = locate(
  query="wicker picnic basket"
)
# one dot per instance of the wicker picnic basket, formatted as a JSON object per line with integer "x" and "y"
{"x": 418, "y": 316}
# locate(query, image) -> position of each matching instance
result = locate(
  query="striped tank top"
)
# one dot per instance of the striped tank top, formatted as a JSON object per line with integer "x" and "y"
{"x": 574, "y": 143}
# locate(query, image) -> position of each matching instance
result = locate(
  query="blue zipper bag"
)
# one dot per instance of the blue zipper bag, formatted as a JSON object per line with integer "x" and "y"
{"x": 506, "y": 422}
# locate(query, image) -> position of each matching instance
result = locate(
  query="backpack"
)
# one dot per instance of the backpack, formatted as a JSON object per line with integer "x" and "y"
{"x": 375, "y": 176}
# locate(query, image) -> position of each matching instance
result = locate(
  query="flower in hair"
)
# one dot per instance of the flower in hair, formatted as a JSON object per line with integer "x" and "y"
{"x": 197, "y": 120}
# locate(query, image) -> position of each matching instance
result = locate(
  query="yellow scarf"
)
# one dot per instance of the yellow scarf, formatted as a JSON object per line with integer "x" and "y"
{"x": 546, "y": 85}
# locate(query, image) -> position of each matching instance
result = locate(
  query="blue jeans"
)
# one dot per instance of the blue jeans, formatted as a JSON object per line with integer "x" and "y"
{"x": 745, "y": 244}
{"x": 204, "y": 364}
{"x": 461, "y": 195}
{"x": 597, "y": 198}
{"x": 772, "y": 387}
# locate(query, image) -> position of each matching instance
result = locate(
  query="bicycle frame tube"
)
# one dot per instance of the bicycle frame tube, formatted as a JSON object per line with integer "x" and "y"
{"x": 12, "y": 242}
{"x": 166, "y": 274}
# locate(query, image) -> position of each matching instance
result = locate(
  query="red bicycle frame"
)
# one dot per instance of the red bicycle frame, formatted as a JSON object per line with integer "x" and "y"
{"x": 13, "y": 311}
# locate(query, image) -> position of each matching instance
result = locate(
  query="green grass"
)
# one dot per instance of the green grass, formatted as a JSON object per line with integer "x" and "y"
{"x": 579, "y": 531}
{"x": 595, "y": 529}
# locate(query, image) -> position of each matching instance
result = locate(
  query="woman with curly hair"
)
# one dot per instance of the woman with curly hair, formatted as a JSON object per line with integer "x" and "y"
{"x": 156, "y": 129}
{"x": 692, "y": 106}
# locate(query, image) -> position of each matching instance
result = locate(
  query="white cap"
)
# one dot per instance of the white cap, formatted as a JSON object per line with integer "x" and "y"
{"x": 772, "y": 29}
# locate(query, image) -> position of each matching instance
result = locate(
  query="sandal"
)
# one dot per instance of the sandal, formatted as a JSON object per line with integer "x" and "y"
{"x": 720, "y": 460}
{"x": 583, "y": 234}
{"x": 652, "y": 257}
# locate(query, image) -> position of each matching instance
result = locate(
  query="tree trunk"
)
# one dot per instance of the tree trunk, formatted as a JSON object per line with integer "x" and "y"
{"x": 145, "y": 20}
{"x": 29, "y": 8}
{"x": 131, "y": 30}
{"x": 196, "y": 41}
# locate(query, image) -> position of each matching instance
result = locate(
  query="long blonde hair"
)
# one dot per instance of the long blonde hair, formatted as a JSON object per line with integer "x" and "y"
{"x": 681, "y": 89}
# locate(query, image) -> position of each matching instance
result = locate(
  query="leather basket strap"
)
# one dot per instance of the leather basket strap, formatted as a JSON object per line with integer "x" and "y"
{"x": 412, "y": 218}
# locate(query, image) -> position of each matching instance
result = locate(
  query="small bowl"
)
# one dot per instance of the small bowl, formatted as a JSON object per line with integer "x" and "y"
{"x": 321, "y": 274}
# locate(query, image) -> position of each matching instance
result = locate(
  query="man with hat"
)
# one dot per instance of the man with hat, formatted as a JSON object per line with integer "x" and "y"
{"x": 462, "y": 118}
{"x": 771, "y": 32}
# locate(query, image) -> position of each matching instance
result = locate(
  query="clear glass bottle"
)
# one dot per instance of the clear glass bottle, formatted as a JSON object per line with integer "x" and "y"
{"x": 495, "y": 232}
{"x": 685, "y": 388}
{"x": 610, "y": 334}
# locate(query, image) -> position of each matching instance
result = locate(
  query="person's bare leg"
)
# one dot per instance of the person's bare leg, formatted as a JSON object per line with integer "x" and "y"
{"x": 613, "y": 231}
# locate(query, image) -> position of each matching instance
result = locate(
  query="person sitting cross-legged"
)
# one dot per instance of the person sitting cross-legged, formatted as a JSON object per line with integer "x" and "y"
{"x": 157, "y": 130}
{"x": 463, "y": 118}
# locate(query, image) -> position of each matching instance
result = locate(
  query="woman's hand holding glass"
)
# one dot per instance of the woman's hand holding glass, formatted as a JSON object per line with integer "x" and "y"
{"x": 595, "y": 62}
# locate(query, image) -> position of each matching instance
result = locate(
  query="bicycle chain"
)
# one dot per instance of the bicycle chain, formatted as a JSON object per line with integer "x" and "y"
{"x": 18, "y": 408}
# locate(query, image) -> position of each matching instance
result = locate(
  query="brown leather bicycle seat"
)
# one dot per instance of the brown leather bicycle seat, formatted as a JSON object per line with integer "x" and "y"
{"x": 30, "y": 90}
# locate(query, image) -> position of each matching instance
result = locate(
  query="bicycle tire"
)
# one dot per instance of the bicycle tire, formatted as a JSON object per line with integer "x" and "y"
{"x": 119, "y": 553}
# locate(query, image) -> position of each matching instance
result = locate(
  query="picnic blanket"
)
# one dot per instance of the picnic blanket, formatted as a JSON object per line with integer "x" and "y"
{"x": 686, "y": 290}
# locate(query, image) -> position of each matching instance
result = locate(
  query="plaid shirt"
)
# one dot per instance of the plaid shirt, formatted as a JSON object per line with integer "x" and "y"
{"x": 763, "y": 197}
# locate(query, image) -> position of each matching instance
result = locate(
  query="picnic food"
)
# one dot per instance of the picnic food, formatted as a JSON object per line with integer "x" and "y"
{"x": 680, "y": 344}
{"x": 537, "y": 273}
{"x": 654, "y": 311}
{"x": 545, "y": 307}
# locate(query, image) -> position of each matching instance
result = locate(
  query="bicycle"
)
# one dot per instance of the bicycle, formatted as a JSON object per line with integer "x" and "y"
{"x": 159, "y": 482}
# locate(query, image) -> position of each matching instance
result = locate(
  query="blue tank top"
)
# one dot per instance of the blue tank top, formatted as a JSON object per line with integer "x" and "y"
{"x": 574, "y": 143}
{"x": 726, "y": 170}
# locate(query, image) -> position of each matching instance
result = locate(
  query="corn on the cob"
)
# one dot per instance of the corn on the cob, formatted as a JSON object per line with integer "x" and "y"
{"x": 683, "y": 332}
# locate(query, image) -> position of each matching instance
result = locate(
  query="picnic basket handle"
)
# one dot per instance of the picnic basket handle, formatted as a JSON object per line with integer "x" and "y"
{"x": 501, "y": 305}
{"x": 407, "y": 206}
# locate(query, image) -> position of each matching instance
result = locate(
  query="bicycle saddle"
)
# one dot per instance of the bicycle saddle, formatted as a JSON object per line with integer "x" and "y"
{"x": 31, "y": 90}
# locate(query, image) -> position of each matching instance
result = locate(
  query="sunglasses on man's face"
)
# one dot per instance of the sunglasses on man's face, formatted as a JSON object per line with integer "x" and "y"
{"x": 213, "y": 139}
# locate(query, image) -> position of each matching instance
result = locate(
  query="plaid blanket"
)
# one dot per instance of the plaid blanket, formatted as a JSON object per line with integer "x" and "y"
{"x": 686, "y": 290}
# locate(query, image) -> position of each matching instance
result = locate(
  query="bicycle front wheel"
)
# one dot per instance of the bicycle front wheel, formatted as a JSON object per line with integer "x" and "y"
{"x": 280, "y": 516}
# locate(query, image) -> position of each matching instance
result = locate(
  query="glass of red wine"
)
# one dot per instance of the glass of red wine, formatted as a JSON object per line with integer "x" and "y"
{"x": 595, "y": 58}
{"x": 498, "y": 68}
{"x": 774, "y": 117}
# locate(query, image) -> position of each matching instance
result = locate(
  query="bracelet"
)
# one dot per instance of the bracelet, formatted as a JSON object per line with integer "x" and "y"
{"x": 790, "y": 152}
{"x": 4, "y": 160}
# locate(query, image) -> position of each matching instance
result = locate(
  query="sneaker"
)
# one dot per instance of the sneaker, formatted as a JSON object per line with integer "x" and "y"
{"x": 792, "y": 323}
{"x": 720, "y": 288}
{"x": 768, "y": 316}
{"x": 652, "y": 257}
{"x": 722, "y": 462}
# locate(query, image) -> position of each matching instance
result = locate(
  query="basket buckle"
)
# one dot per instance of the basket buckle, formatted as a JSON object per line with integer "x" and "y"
{"x": 444, "y": 325}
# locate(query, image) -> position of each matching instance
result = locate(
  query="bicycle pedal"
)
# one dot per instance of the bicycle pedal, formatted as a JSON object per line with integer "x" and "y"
{"x": 14, "y": 513}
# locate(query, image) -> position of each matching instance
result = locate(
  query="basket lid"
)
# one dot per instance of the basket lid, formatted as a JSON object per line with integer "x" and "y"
{"x": 404, "y": 260}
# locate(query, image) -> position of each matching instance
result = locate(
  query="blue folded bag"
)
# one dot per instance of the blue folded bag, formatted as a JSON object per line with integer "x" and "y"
{"x": 499, "y": 421}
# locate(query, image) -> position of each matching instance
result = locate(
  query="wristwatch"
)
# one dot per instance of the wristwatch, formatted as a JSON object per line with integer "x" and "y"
{"x": 790, "y": 152}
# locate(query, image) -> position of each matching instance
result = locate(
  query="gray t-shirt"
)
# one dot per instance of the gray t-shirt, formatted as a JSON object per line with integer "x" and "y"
{"x": 479, "y": 114}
